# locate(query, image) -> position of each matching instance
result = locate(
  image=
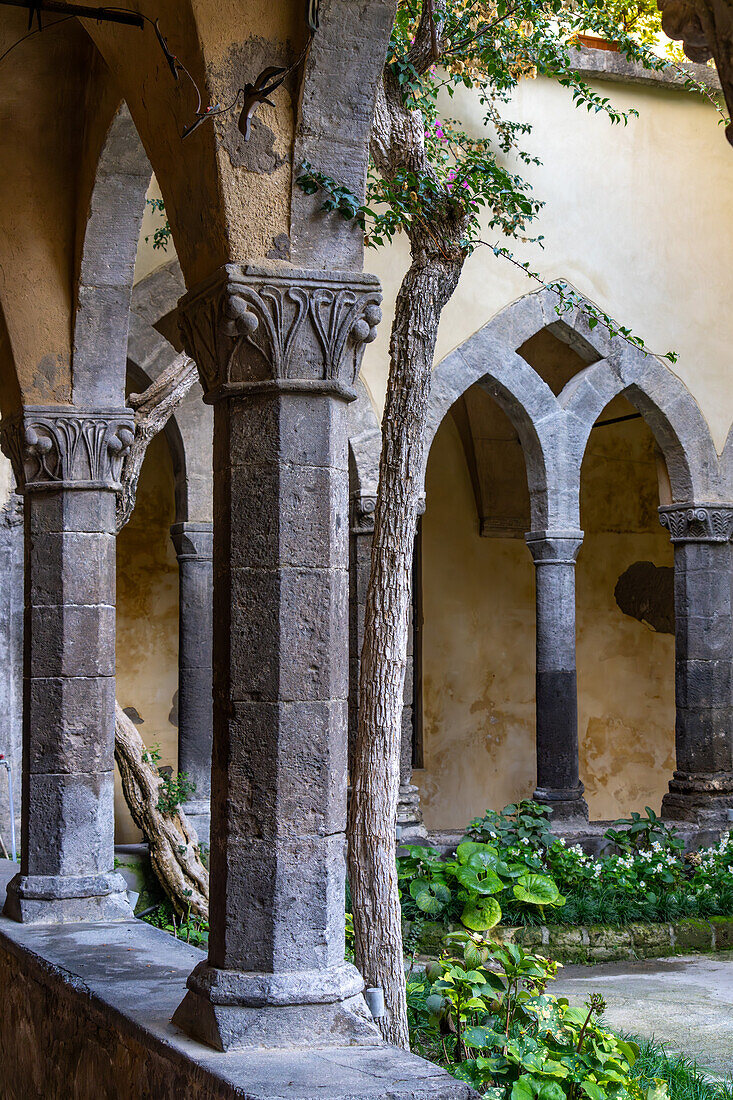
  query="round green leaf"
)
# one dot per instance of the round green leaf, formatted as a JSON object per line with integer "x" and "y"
{"x": 431, "y": 897}
{"x": 472, "y": 848}
{"x": 481, "y": 914}
{"x": 485, "y": 883}
{"x": 536, "y": 890}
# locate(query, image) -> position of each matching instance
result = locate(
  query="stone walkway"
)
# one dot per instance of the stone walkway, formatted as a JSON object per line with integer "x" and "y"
{"x": 685, "y": 1002}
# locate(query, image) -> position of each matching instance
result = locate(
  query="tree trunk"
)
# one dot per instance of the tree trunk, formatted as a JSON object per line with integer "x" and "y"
{"x": 376, "y": 769}
{"x": 172, "y": 840}
{"x": 153, "y": 409}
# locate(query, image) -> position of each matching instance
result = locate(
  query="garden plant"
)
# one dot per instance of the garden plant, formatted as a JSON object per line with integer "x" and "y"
{"x": 532, "y": 877}
{"x": 483, "y": 1012}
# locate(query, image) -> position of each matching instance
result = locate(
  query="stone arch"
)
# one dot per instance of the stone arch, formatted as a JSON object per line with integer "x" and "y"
{"x": 365, "y": 443}
{"x": 214, "y": 171}
{"x": 489, "y": 358}
{"x": 107, "y": 265}
{"x": 137, "y": 381}
{"x": 666, "y": 405}
{"x": 553, "y": 430}
{"x": 726, "y": 464}
{"x": 189, "y": 432}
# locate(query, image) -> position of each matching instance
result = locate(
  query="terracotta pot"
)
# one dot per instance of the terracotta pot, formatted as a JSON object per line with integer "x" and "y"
{"x": 592, "y": 43}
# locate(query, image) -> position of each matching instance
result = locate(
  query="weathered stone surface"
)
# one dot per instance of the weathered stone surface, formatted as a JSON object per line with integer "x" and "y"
{"x": 558, "y": 779}
{"x": 11, "y": 660}
{"x": 650, "y": 939}
{"x": 86, "y": 1011}
{"x": 193, "y": 543}
{"x": 693, "y": 935}
{"x": 722, "y": 932}
{"x": 68, "y": 462}
{"x": 702, "y": 786}
{"x": 410, "y": 827}
{"x": 278, "y": 351}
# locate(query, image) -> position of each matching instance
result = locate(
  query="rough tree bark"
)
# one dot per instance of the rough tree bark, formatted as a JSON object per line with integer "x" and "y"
{"x": 172, "y": 840}
{"x": 437, "y": 260}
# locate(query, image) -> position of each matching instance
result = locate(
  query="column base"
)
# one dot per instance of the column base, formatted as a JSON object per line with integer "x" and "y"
{"x": 566, "y": 803}
{"x": 63, "y": 899}
{"x": 232, "y": 1010}
{"x": 410, "y": 827}
{"x": 702, "y": 798}
{"x": 198, "y": 812}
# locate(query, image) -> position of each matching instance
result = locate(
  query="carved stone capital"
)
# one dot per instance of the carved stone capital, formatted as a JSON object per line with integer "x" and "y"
{"x": 554, "y": 547}
{"x": 252, "y": 329}
{"x": 58, "y": 447}
{"x": 705, "y": 28}
{"x": 363, "y": 505}
{"x": 698, "y": 522}
{"x": 362, "y": 513}
{"x": 193, "y": 541}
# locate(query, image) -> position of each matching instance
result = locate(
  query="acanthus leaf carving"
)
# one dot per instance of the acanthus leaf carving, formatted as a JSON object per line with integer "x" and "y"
{"x": 250, "y": 325}
{"x": 698, "y": 522}
{"x": 67, "y": 448}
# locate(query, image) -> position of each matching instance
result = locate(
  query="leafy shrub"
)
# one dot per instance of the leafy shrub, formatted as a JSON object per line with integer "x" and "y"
{"x": 648, "y": 879}
{"x": 483, "y": 1011}
{"x": 174, "y": 790}
{"x": 522, "y": 823}
{"x": 636, "y": 834}
{"x": 655, "y": 883}
{"x": 473, "y": 887}
{"x": 189, "y": 928}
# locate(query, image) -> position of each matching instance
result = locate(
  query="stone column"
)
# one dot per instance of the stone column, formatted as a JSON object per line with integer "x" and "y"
{"x": 193, "y": 543}
{"x": 410, "y": 827}
{"x": 67, "y": 462}
{"x": 278, "y": 352}
{"x": 702, "y": 786}
{"x": 558, "y": 777}
{"x": 11, "y": 659}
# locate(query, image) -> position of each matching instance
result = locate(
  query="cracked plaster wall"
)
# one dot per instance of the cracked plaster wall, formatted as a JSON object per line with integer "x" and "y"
{"x": 147, "y": 619}
{"x": 478, "y": 641}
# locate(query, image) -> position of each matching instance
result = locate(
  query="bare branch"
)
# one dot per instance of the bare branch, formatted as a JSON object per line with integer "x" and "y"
{"x": 152, "y": 408}
{"x": 427, "y": 46}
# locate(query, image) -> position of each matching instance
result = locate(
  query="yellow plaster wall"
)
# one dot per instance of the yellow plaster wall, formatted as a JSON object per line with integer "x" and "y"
{"x": 478, "y": 642}
{"x": 147, "y": 618}
{"x": 636, "y": 218}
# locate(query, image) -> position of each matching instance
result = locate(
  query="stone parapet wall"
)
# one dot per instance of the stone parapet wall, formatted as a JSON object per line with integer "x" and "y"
{"x": 86, "y": 1015}
{"x": 604, "y": 943}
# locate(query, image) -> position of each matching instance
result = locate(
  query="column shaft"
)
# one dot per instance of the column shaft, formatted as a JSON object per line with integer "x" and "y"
{"x": 11, "y": 661}
{"x": 276, "y": 974}
{"x": 702, "y": 786}
{"x": 69, "y": 667}
{"x": 194, "y": 548}
{"x": 558, "y": 776}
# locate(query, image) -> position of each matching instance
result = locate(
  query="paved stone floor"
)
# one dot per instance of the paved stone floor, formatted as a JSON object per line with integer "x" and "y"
{"x": 686, "y": 1002}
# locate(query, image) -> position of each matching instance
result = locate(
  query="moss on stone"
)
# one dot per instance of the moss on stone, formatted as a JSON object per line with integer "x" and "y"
{"x": 651, "y": 940}
{"x": 723, "y": 930}
{"x": 609, "y": 938}
{"x": 693, "y": 935}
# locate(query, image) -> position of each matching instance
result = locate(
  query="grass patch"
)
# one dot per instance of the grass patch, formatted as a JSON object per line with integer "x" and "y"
{"x": 686, "y": 1081}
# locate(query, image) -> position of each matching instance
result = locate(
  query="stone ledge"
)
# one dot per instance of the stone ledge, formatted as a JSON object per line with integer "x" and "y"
{"x": 607, "y": 65}
{"x": 87, "y": 1009}
{"x": 605, "y": 943}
